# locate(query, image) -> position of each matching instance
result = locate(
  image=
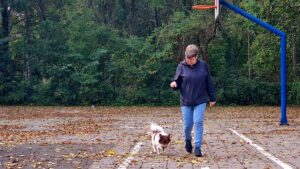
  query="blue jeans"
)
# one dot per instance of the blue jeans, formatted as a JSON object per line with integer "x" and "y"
{"x": 193, "y": 115}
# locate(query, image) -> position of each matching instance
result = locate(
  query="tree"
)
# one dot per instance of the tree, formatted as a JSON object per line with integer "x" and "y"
{"x": 4, "y": 35}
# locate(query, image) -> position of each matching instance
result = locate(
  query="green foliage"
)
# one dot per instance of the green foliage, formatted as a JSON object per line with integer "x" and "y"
{"x": 294, "y": 93}
{"x": 115, "y": 52}
{"x": 243, "y": 91}
{"x": 266, "y": 62}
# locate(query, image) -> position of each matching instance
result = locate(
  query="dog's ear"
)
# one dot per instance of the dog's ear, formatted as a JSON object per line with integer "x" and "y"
{"x": 169, "y": 135}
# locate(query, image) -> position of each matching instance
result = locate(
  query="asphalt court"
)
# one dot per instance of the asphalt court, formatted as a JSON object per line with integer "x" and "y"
{"x": 118, "y": 137}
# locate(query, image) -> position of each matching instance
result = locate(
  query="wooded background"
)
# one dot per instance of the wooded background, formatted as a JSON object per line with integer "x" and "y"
{"x": 125, "y": 52}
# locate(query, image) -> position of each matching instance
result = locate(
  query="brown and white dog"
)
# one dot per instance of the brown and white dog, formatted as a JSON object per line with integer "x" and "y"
{"x": 160, "y": 139}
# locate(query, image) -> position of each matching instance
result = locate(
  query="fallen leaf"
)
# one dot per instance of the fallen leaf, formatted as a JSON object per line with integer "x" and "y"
{"x": 179, "y": 142}
{"x": 111, "y": 152}
{"x": 195, "y": 162}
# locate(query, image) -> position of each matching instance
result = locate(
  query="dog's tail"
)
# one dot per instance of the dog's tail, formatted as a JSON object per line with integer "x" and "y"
{"x": 155, "y": 128}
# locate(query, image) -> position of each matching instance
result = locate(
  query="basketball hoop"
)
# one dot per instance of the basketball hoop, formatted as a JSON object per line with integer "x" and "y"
{"x": 216, "y": 7}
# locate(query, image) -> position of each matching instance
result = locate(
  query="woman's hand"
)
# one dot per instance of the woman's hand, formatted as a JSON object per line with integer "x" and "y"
{"x": 173, "y": 84}
{"x": 212, "y": 104}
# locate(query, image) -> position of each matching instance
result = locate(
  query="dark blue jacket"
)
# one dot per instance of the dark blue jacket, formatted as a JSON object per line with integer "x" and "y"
{"x": 195, "y": 83}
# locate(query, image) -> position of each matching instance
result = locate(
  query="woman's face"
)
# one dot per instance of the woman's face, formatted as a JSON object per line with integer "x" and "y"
{"x": 191, "y": 61}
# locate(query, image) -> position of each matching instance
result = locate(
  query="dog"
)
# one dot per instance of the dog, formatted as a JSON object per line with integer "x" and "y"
{"x": 160, "y": 139}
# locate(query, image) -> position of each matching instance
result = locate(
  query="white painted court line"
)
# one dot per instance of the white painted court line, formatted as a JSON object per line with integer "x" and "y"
{"x": 128, "y": 160}
{"x": 262, "y": 151}
{"x": 204, "y": 167}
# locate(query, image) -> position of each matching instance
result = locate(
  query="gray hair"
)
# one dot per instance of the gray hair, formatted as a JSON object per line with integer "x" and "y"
{"x": 191, "y": 51}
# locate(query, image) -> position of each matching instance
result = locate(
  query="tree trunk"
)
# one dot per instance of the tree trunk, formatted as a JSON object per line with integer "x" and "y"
{"x": 157, "y": 22}
{"x": 42, "y": 11}
{"x": 89, "y": 3}
{"x": 131, "y": 17}
{"x": 27, "y": 69}
{"x": 5, "y": 60}
{"x": 205, "y": 37}
{"x": 181, "y": 48}
{"x": 205, "y": 53}
{"x": 4, "y": 45}
{"x": 110, "y": 11}
{"x": 103, "y": 11}
{"x": 294, "y": 54}
{"x": 249, "y": 58}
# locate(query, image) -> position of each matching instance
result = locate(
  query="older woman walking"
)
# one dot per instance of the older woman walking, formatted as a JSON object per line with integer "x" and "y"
{"x": 194, "y": 82}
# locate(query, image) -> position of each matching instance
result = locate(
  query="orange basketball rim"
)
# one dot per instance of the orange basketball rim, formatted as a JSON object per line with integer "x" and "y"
{"x": 203, "y": 7}
{"x": 216, "y": 6}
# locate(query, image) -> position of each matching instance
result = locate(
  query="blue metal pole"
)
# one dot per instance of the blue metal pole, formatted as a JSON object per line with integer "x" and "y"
{"x": 283, "y": 119}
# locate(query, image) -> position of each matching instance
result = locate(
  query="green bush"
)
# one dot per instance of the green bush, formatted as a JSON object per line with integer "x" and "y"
{"x": 243, "y": 91}
{"x": 294, "y": 93}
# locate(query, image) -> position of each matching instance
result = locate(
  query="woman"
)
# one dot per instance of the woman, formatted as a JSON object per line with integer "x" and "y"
{"x": 193, "y": 80}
